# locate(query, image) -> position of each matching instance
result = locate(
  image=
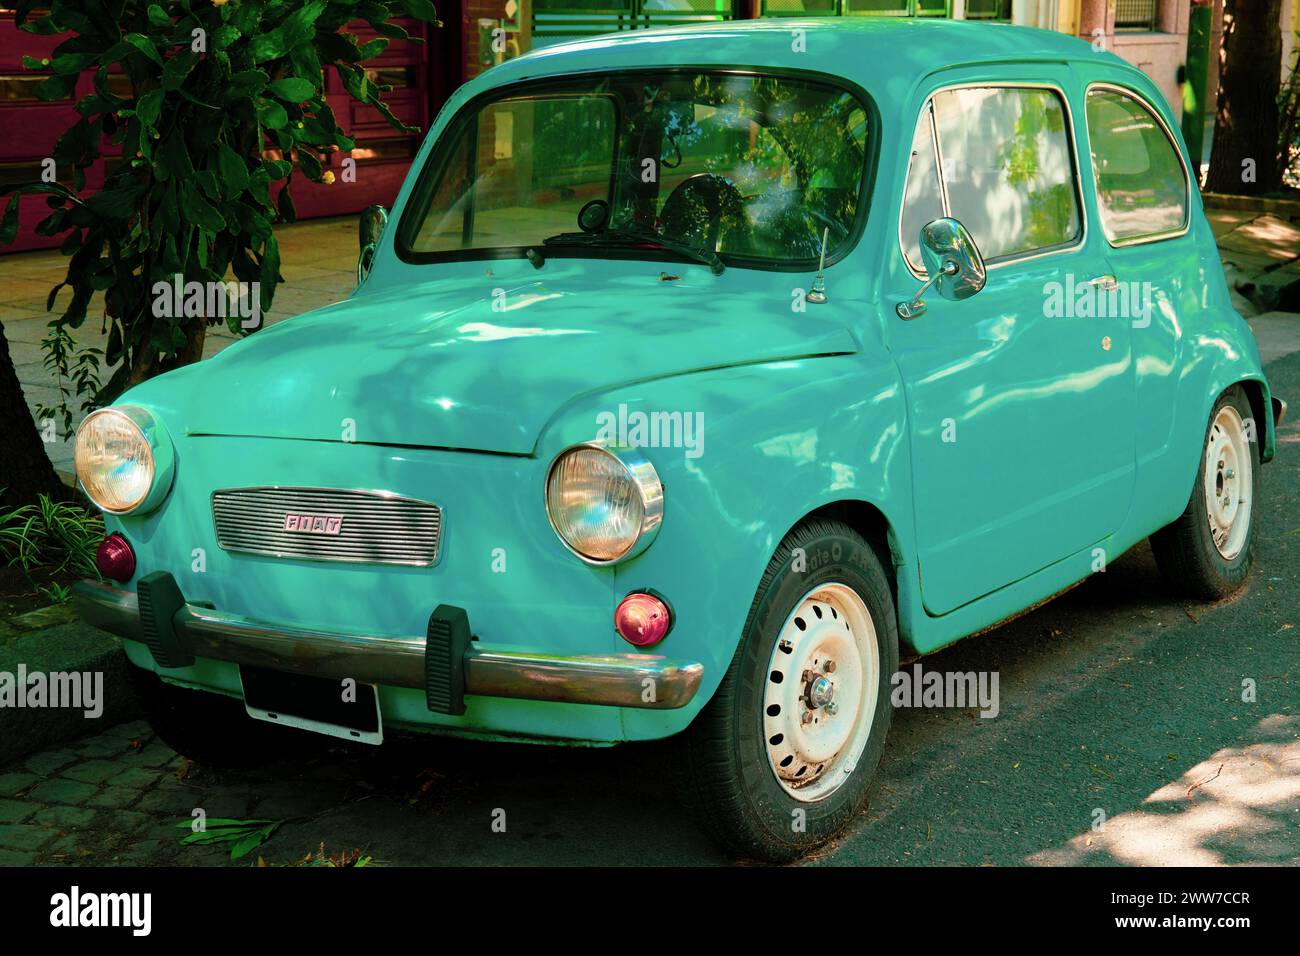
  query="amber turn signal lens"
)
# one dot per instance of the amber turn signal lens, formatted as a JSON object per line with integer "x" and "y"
{"x": 642, "y": 619}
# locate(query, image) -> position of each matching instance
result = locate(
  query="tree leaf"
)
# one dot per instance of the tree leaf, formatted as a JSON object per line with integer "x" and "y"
{"x": 272, "y": 115}
{"x": 57, "y": 87}
{"x": 149, "y": 107}
{"x": 177, "y": 68}
{"x": 231, "y": 170}
{"x": 144, "y": 45}
{"x": 116, "y": 203}
{"x": 198, "y": 210}
{"x": 293, "y": 89}
{"x": 420, "y": 9}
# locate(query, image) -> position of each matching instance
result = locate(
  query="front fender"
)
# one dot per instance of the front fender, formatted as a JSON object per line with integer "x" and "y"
{"x": 777, "y": 442}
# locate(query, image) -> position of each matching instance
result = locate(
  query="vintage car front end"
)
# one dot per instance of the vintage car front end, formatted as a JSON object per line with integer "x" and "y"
{"x": 432, "y": 575}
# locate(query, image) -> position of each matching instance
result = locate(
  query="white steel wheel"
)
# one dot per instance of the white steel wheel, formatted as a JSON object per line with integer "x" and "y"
{"x": 823, "y": 685}
{"x": 1229, "y": 482}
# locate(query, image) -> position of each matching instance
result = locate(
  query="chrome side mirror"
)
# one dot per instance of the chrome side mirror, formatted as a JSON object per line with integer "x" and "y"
{"x": 372, "y": 224}
{"x": 953, "y": 263}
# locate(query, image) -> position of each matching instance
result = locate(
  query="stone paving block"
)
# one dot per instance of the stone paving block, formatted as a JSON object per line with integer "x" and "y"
{"x": 62, "y": 791}
{"x": 92, "y": 771}
{"x": 22, "y": 836}
{"x": 136, "y": 778}
{"x": 16, "y": 811}
{"x": 16, "y": 782}
{"x": 114, "y": 798}
{"x": 152, "y": 755}
{"x": 133, "y": 821}
{"x": 64, "y": 818}
{"x": 173, "y": 801}
{"x": 50, "y": 761}
{"x": 17, "y": 857}
{"x": 103, "y": 746}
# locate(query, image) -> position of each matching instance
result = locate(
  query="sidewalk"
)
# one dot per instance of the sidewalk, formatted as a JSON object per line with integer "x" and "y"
{"x": 1261, "y": 255}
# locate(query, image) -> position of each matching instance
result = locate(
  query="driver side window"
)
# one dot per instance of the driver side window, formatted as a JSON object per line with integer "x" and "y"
{"x": 999, "y": 160}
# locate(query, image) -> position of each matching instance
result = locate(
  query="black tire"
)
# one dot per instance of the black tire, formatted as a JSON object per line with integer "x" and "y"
{"x": 722, "y": 766}
{"x": 1185, "y": 551}
{"x": 212, "y": 729}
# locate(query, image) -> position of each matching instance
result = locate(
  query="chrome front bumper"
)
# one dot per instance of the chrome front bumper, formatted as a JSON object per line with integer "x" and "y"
{"x": 615, "y": 680}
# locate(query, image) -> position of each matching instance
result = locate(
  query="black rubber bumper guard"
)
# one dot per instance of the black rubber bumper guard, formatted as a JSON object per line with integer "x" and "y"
{"x": 448, "y": 638}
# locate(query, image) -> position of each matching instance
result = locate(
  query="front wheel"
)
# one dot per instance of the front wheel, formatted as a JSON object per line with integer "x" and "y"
{"x": 1208, "y": 552}
{"x": 782, "y": 757}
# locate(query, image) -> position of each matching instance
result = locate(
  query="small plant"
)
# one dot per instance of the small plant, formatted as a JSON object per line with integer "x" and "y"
{"x": 341, "y": 860}
{"x": 56, "y": 593}
{"x": 244, "y": 836}
{"x": 53, "y": 535}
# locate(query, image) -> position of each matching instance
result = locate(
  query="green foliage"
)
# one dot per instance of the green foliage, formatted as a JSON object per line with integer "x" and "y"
{"x": 225, "y": 102}
{"x": 244, "y": 836}
{"x": 53, "y": 535}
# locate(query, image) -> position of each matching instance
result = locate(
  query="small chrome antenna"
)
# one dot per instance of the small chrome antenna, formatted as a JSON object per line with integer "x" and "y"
{"x": 817, "y": 293}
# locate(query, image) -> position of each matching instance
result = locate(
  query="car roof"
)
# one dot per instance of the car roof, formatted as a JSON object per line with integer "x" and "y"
{"x": 860, "y": 49}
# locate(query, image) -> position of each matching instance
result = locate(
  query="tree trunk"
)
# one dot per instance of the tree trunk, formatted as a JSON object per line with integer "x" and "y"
{"x": 1244, "y": 157}
{"x": 25, "y": 469}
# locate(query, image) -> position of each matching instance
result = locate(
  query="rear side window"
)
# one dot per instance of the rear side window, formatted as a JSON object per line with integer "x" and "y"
{"x": 1005, "y": 169}
{"x": 1141, "y": 185}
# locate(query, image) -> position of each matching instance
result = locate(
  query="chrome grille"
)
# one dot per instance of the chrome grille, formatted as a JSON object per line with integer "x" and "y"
{"x": 362, "y": 527}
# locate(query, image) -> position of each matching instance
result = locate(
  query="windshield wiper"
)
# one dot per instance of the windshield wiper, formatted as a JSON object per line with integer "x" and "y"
{"x": 706, "y": 256}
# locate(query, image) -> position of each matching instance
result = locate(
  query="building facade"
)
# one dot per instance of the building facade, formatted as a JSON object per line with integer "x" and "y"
{"x": 1158, "y": 36}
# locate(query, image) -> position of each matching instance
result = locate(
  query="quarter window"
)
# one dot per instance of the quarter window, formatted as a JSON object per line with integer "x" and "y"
{"x": 1141, "y": 186}
{"x": 1006, "y": 170}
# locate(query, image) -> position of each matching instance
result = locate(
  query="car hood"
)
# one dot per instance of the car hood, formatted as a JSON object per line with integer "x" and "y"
{"x": 459, "y": 364}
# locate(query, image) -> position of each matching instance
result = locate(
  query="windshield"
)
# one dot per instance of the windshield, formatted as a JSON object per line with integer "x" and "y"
{"x": 756, "y": 168}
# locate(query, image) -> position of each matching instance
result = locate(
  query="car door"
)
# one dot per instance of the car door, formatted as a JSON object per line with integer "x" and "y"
{"x": 1020, "y": 407}
{"x": 1143, "y": 194}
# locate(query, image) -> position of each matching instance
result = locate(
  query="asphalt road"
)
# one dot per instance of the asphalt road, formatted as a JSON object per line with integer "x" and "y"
{"x": 1117, "y": 702}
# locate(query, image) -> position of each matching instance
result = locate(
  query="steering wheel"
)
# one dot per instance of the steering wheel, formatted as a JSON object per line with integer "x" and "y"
{"x": 694, "y": 211}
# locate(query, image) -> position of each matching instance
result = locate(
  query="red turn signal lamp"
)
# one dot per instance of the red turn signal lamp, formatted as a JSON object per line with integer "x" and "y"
{"x": 115, "y": 559}
{"x": 642, "y": 619}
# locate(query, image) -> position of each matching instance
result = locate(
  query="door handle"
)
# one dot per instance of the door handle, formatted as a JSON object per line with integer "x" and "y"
{"x": 1107, "y": 283}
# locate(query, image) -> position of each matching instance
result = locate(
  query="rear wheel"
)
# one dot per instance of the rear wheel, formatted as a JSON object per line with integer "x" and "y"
{"x": 782, "y": 757}
{"x": 1208, "y": 552}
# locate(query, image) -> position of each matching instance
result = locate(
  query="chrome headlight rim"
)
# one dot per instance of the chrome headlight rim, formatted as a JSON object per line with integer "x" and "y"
{"x": 162, "y": 456}
{"x": 649, "y": 488}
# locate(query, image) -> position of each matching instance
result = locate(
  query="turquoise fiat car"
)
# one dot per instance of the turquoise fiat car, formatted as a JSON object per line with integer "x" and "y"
{"x": 696, "y": 374}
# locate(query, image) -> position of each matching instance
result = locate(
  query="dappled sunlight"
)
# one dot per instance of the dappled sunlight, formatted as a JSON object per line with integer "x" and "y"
{"x": 1239, "y": 799}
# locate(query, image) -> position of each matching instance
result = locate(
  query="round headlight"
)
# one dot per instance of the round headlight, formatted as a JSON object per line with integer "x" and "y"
{"x": 123, "y": 460}
{"x": 605, "y": 507}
